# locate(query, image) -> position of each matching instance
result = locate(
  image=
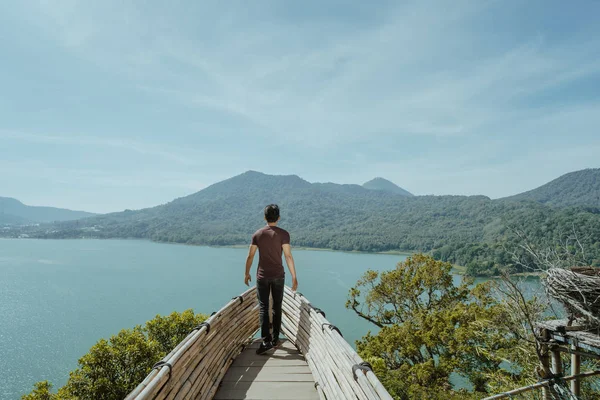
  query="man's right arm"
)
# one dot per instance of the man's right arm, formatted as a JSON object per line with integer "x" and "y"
{"x": 287, "y": 251}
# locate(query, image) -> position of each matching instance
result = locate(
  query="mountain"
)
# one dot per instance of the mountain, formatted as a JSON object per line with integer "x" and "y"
{"x": 12, "y": 211}
{"x": 386, "y": 186}
{"x": 7, "y": 219}
{"x": 473, "y": 231}
{"x": 579, "y": 188}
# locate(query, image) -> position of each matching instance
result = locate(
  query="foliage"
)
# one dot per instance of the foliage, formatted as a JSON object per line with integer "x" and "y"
{"x": 431, "y": 328}
{"x": 113, "y": 368}
{"x": 385, "y": 185}
{"x": 580, "y": 188}
{"x": 472, "y": 231}
{"x": 41, "y": 391}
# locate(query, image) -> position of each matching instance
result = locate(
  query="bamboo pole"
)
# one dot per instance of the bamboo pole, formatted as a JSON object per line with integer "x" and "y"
{"x": 368, "y": 382}
{"x": 317, "y": 337}
{"x": 314, "y": 355}
{"x": 575, "y": 370}
{"x": 326, "y": 378}
{"x": 344, "y": 366}
{"x": 155, "y": 381}
{"x": 211, "y": 374}
{"x": 203, "y": 367}
{"x": 181, "y": 367}
{"x": 545, "y": 361}
{"x": 203, "y": 351}
{"x": 227, "y": 339}
{"x": 341, "y": 354}
{"x": 317, "y": 374}
{"x": 330, "y": 361}
{"x": 557, "y": 368}
{"x": 541, "y": 385}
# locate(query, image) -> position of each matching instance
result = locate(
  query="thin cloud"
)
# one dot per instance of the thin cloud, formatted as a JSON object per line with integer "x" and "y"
{"x": 344, "y": 85}
{"x": 173, "y": 154}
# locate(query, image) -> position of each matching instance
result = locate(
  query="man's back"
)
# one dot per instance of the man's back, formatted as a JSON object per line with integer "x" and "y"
{"x": 270, "y": 241}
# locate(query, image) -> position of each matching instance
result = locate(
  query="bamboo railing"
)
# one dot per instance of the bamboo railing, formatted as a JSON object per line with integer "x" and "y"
{"x": 339, "y": 372}
{"x": 195, "y": 368}
{"x": 548, "y": 383}
{"x": 557, "y": 337}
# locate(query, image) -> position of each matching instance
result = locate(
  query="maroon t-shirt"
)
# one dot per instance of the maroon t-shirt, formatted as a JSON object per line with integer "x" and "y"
{"x": 270, "y": 240}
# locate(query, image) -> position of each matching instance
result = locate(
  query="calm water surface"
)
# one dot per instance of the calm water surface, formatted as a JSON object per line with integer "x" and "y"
{"x": 57, "y": 298}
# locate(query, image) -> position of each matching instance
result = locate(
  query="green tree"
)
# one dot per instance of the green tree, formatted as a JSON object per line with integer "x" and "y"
{"x": 430, "y": 328}
{"x": 41, "y": 391}
{"x": 113, "y": 368}
{"x": 169, "y": 330}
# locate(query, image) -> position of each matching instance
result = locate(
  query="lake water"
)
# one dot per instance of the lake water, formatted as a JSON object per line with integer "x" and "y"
{"x": 57, "y": 298}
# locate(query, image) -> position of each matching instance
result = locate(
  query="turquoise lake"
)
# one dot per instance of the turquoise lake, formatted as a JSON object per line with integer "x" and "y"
{"x": 58, "y": 297}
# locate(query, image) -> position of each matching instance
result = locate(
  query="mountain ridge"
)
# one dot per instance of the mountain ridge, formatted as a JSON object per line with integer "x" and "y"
{"x": 383, "y": 184}
{"x": 13, "y": 211}
{"x": 577, "y": 188}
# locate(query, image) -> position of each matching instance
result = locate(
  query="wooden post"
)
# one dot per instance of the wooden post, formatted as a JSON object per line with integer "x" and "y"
{"x": 557, "y": 368}
{"x": 545, "y": 360}
{"x": 575, "y": 369}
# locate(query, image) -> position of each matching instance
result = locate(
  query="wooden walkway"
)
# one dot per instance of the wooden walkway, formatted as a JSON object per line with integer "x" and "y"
{"x": 280, "y": 374}
{"x": 218, "y": 360}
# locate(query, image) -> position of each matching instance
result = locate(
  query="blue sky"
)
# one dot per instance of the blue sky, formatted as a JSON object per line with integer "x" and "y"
{"x": 110, "y": 105}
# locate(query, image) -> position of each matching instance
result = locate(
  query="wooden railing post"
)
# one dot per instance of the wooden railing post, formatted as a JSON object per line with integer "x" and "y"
{"x": 545, "y": 360}
{"x": 557, "y": 367}
{"x": 575, "y": 370}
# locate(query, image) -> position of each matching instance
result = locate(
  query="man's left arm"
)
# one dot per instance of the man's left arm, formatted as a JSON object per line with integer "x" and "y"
{"x": 249, "y": 261}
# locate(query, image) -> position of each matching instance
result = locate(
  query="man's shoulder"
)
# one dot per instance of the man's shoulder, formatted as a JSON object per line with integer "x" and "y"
{"x": 283, "y": 230}
{"x": 259, "y": 231}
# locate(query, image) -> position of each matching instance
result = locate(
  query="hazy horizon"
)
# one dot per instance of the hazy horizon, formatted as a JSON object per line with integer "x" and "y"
{"x": 360, "y": 184}
{"x": 113, "y": 106}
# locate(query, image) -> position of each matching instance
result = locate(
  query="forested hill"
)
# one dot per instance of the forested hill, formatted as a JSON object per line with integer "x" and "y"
{"x": 466, "y": 230}
{"x": 12, "y": 211}
{"x": 386, "y": 186}
{"x": 579, "y": 188}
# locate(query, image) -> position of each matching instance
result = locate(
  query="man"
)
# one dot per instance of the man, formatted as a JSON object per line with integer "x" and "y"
{"x": 270, "y": 241}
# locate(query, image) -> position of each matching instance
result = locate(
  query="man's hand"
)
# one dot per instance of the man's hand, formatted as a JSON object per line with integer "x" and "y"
{"x": 249, "y": 259}
{"x": 287, "y": 251}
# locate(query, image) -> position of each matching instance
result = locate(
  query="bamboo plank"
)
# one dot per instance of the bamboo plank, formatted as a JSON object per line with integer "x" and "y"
{"x": 336, "y": 381}
{"x": 189, "y": 368}
{"x": 288, "y": 373}
{"x": 344, "y": 364}
{"x": 269, "y": 391}
{"x": 157, "y": 379}
{"x": 368, "y": 381}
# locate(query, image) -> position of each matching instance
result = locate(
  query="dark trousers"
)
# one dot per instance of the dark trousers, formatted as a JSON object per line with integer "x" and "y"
{"x": 264, "y": 287}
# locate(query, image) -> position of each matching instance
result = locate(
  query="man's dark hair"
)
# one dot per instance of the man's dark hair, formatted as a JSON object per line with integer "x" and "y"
{"x": 272, "y": 212}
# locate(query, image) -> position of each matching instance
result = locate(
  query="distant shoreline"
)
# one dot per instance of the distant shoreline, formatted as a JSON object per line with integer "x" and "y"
{"x": 243, "y": 246}
{"x": 230, "y": 246}
{"x": 460, "y": 270}
{"x": 457, "y": 269}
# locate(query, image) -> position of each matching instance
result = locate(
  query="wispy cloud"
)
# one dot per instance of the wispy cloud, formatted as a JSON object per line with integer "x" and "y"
{"x": 410, "y": 74}
{"x": 168, "y": 153}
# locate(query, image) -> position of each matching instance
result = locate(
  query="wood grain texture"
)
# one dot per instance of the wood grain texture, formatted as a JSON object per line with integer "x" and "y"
{"x": 279, "y": 374}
